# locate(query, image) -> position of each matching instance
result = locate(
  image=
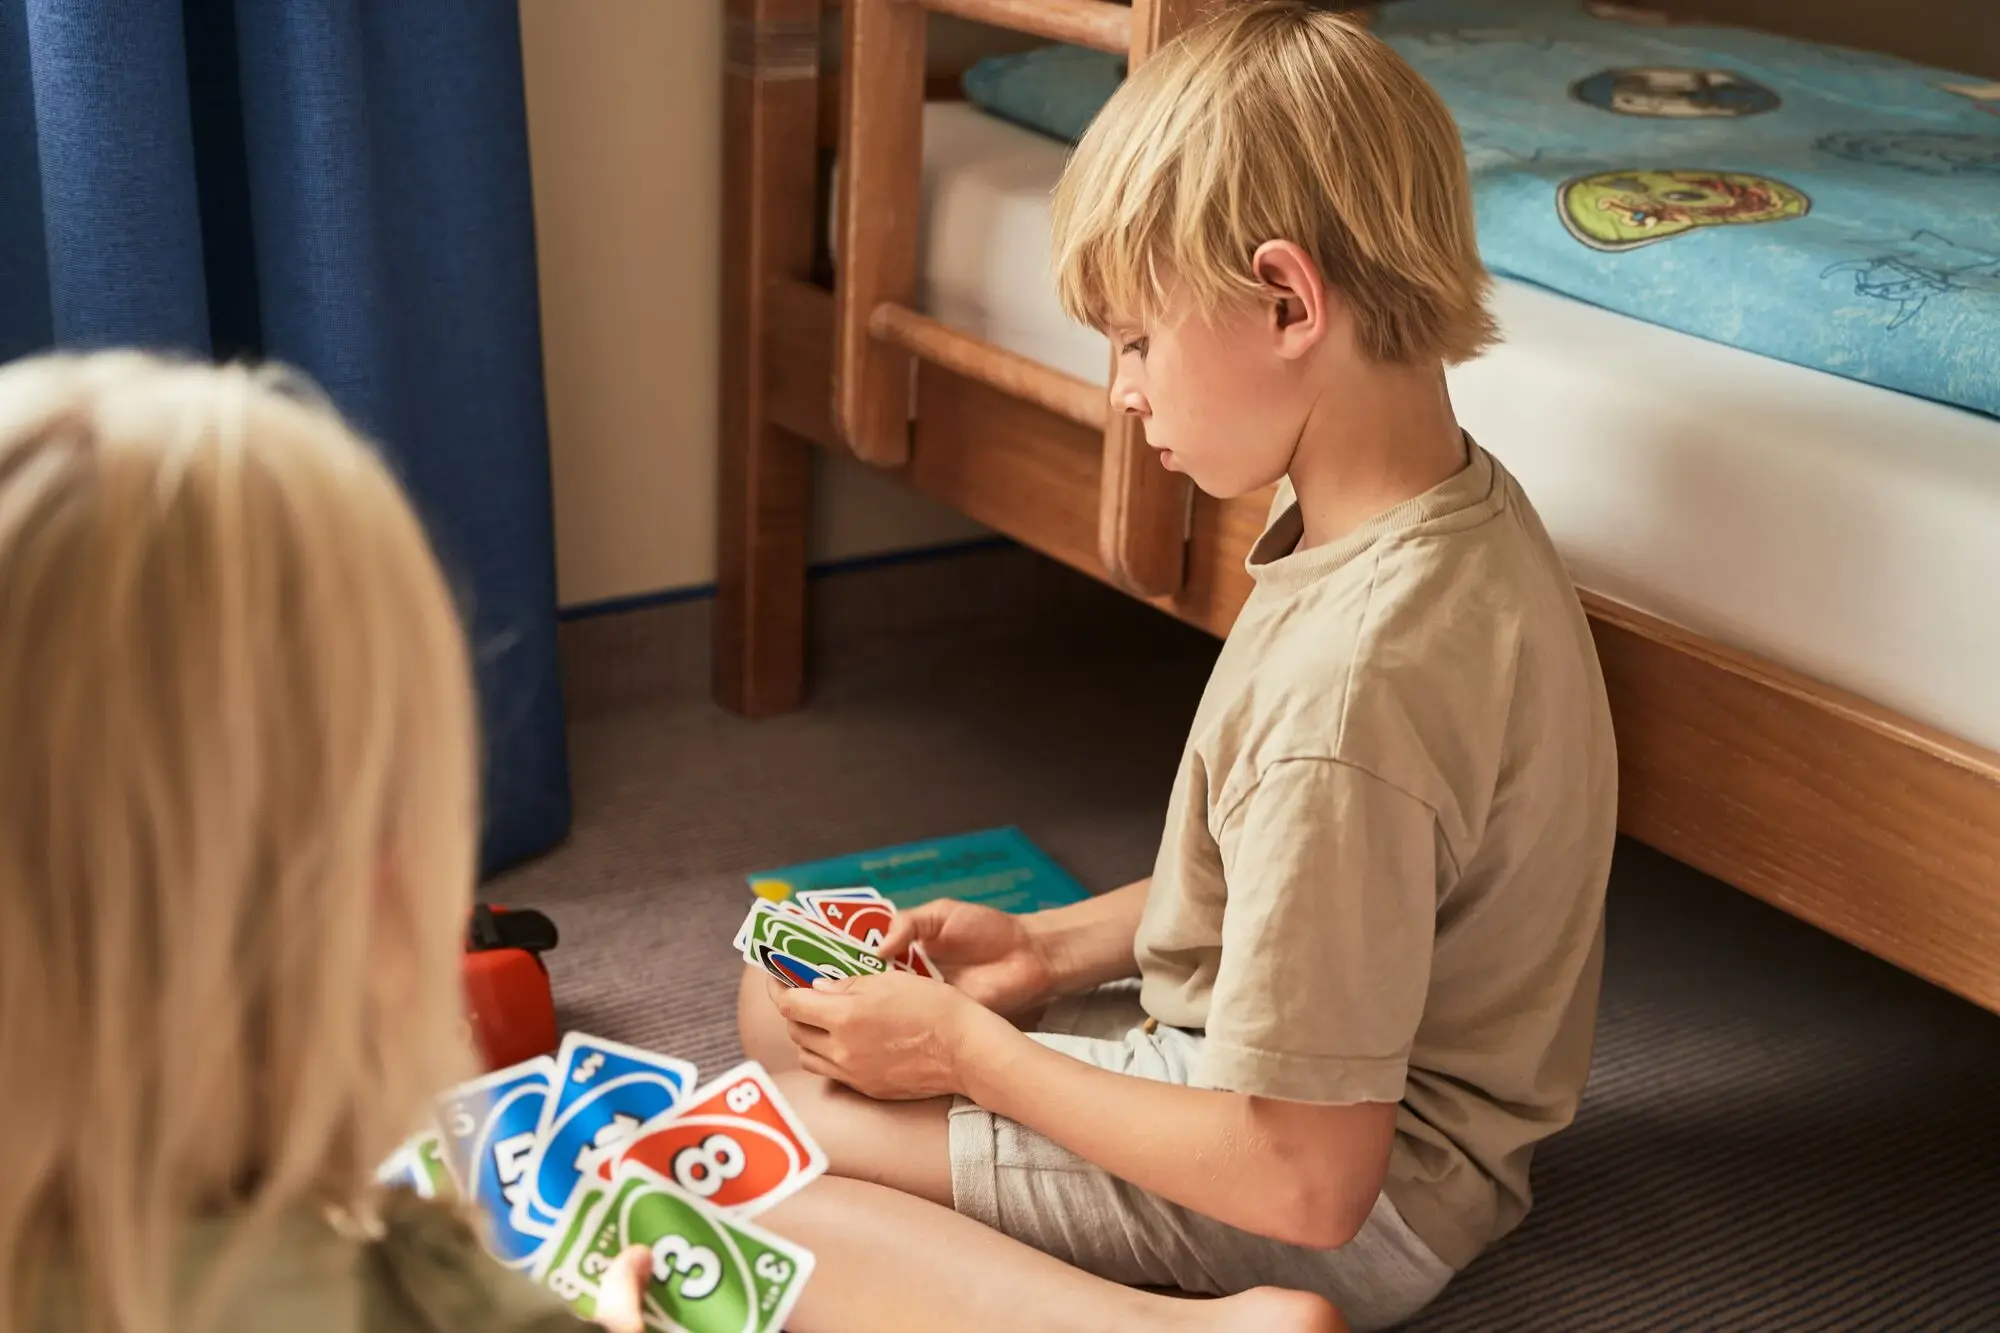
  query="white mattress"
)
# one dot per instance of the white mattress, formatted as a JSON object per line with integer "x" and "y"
{"x": 1845, "y": 531}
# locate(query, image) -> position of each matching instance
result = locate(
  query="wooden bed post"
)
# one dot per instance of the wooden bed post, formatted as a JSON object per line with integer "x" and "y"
{"x": 770, "y": 110}
{"x": 1142, "y": 514}
{"x": 881, "y": 194}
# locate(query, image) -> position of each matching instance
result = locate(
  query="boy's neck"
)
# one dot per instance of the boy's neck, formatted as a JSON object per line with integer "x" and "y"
{"x": 1377, "y": 436}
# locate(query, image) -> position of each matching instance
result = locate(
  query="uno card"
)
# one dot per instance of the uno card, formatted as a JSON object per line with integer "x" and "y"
{"x": 570, "y": 1231}
{"x": 859, "y": 893}
{"x": 489, "y": 1134}
{"x": 602, "y": 1091}
{"x": 866, "y": 921}
{"x": 789, "y": 906}
{"x": 799, "y": 952}
{"x": 418, "y": 1166}
{"x": 711, "y": 1273}
{"x": 734, "y": 1144}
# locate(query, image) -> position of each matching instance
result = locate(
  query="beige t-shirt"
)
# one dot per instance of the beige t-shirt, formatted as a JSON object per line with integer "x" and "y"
{"x": 1382, "y": 877}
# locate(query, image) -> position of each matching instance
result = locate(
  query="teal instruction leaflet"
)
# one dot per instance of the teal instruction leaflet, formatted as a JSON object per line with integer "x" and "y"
{"x": 1000, "y": 868}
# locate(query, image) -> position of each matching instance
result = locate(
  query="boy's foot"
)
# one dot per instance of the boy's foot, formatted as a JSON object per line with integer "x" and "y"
{"x": 1271, "y": 1310}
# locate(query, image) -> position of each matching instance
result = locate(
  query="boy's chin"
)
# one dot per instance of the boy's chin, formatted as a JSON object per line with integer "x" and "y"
{"x": 1225, "y": 488}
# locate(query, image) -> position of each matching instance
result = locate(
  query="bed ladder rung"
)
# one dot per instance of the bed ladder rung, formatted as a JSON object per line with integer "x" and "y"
{"x": 996, "y": 367}
{"x": 1093, "y": 23}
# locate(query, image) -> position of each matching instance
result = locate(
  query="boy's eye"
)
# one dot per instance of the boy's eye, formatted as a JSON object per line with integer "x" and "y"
{"x": 1135, "y": 345}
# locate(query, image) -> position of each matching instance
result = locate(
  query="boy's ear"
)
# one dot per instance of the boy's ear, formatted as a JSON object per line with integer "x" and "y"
{"x": 1299, "y": 304}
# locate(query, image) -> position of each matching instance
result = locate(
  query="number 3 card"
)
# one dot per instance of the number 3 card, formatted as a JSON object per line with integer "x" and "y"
{"x": 711, "y": 1273}
{"x": 733, "y": 1144}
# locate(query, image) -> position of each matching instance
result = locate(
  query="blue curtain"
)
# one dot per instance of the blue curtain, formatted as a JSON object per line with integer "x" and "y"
{"x": 341, "y": 185}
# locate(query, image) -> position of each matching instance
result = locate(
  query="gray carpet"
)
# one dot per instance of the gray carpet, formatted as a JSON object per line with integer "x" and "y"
{"x": 1780, "y": 1132}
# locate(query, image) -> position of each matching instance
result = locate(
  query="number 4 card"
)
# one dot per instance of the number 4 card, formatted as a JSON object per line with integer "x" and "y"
{"x": 734, "y": 1144}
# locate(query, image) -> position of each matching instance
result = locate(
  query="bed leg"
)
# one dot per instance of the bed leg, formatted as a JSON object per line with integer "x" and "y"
{"x": 770, "y": 110}
{"x": 758, "y": 643}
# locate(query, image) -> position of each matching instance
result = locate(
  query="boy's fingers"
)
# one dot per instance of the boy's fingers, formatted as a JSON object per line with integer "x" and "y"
{"x": 919, "y": 923}
{"x": 803, "y": 1005}
{"x": 809, "y": 1039}
{"x": 898, "y": 937}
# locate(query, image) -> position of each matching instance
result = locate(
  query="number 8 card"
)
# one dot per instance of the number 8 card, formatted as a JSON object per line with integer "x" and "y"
{"x": 734, "y": 1144}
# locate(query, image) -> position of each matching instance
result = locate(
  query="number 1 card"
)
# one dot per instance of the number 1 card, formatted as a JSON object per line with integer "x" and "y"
{"x": 601, "y": 1092}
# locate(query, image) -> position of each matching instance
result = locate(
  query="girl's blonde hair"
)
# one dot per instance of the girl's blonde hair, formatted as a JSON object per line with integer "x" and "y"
{"x": 237, "y": 825}
{"x": 1276, "y": 121}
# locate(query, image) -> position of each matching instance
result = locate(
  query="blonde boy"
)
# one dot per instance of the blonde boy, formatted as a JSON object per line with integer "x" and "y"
{"x": 1367, "y": 960}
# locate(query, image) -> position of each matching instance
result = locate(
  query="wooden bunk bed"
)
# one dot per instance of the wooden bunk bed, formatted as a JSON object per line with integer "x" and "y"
{"x": 1867, "y": 824}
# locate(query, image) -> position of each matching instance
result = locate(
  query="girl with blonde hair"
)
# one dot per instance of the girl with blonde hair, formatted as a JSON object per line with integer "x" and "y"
{"x": 237, "y": 826}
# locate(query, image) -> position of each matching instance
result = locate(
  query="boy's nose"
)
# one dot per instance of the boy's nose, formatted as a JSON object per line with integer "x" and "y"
{"x": 1127, "y": 398}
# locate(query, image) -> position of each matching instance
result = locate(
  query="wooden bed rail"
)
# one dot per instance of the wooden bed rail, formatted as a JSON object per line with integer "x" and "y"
{"x": 878, "y": 335}
{"x": 1093, "y": 23}
{"x": 996, "y": 367}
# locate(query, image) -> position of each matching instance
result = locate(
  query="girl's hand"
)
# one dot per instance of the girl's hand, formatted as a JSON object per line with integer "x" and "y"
{"x": 994, "y": 957}
{"x": 894, "y": 1037}
{"x": 619, "y": 1292}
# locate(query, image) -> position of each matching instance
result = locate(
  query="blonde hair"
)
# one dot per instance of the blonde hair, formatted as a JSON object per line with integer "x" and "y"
{"x": 1276, "y": 121}
{"x": 237, "y": 826}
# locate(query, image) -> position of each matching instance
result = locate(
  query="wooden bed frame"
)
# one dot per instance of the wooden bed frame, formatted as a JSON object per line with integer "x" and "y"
{"x": 1873, "y": 827}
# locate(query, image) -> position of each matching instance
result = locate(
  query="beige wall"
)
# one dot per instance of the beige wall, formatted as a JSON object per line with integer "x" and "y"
{"x": 625, "y": 129}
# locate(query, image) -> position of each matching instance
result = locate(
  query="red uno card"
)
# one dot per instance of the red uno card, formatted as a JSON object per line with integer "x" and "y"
{"x": 867, "y": 922}
{"x": 733, "y": 1144}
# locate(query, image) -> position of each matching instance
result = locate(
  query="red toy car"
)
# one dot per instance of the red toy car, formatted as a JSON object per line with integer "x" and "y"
{"x": 507, "y": 985}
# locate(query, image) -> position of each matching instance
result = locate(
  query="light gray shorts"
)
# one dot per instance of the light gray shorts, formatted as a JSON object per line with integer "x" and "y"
{"x": 1018, "y": 1182}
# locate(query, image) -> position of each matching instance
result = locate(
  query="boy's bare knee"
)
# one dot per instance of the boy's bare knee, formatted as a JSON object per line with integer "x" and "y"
{"x": 904, "y": 1145}
{"x": 760, "y": 1027}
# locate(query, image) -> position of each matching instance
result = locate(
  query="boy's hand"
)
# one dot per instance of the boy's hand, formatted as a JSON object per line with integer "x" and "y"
{"x": 994, "y": 957}
{"x": 894, "y": 1037}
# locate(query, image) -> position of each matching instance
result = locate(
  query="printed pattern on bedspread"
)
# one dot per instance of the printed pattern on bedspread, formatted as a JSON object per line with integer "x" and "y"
{"x": 1827, "y": 207}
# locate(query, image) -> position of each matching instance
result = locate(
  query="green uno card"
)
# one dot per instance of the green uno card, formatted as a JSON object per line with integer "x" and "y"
{"x": 711, "y": 1273}
{"x": 418, "y": 1166}
{"x": 799, "y": 952}
{"x": 572, "y": 1229}
{"x": 427, "y": 1155}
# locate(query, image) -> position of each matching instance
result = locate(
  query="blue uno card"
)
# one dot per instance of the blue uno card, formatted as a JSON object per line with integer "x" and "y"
{"x": 603, "y": 1091}
{"x": 489, "y": 1135}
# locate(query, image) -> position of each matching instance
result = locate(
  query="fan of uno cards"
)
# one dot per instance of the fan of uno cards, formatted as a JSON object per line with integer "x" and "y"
{"x": 825, "y": 933}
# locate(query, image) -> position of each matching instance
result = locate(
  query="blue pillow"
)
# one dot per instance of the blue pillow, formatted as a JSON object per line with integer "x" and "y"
{"x": 1057, "y": 90}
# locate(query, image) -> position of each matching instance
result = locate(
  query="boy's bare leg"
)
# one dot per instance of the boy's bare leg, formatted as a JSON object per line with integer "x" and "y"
{"x": 887, "y": 1261}
{"x": 760, "y": 1026}
{"x": 885, "y": 1209}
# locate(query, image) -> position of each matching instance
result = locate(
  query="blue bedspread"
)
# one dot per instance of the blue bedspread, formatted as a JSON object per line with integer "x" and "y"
{"x": 1830, "y": 208}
